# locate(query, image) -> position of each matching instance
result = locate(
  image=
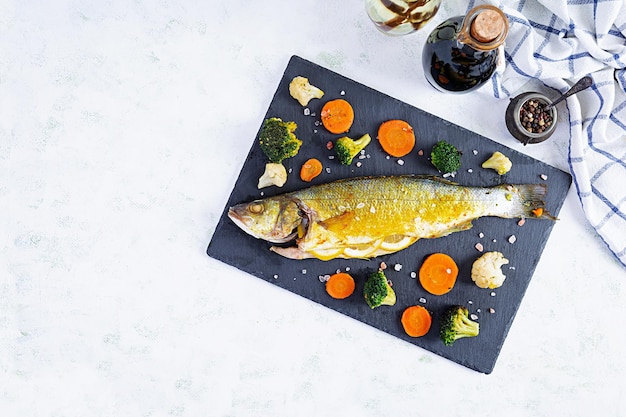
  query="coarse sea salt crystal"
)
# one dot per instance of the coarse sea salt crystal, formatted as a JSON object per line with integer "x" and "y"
{"x": 397, "y": 267}
{"x": 512, "y": 239}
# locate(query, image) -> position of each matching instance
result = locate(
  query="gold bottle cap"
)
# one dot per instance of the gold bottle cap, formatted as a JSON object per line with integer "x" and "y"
{"x": 487, "y": 26}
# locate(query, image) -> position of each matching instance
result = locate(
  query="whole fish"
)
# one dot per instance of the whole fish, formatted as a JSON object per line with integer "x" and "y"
{"x": 371, "y": 216}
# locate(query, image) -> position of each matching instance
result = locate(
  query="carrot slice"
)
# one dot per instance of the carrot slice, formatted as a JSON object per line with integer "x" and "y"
{"x": 337, "y": 116}
{"x": 340, "y": 285}
{"x": 438, "y": 273}
{"x": 416, "y": 321}
{"x": 396, "y": 137}
{"x": 310, "y": 169}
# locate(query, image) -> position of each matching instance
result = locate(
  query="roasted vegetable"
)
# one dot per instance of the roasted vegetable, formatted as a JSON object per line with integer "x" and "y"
{"x": 396, "y": 137}
{"x": 337, "y": 116}
{"x": 347, "y": 149}
{"x": 456, "y": 324}
{"x": 486, "y": 272}
{"x": 278, "y": 141}
{"x": 275, "y": 174}
{"x": 498, "y": 162}
{"x": 340, "y": 285}
{"x": 445, "y": 157}
{"x": 377, "y": 290}
{"x": 303, "y": 91}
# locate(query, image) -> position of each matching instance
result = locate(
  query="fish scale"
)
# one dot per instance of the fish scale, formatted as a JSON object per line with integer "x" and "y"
{"x": 371, "y": 216}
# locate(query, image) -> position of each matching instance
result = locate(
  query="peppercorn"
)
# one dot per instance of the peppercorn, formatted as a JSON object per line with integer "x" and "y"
{"x": 534, "y": 117}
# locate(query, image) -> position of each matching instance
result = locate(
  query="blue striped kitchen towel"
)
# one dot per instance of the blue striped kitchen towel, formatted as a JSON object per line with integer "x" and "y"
{"x": 557, "y": 42}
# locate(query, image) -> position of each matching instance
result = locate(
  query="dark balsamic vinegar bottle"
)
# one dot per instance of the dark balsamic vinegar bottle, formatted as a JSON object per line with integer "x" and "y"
{"x": 462, "y": 53}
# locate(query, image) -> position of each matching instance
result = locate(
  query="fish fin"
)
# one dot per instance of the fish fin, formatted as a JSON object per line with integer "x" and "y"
{"x": 291, "y": 252}
{"x": 461, "y": 227}
{"x": 533, "y": 204}
{"x": 338, "y": 223}
{"x": 437, "y": 179}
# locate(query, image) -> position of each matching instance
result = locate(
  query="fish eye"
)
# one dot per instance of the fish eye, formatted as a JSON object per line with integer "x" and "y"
{"x": 256, "y": 208}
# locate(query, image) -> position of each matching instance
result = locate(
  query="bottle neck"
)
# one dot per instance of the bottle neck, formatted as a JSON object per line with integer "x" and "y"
{"x": 484, "y": 28}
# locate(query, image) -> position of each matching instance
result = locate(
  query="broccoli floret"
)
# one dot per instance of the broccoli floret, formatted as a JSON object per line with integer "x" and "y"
{"x": 278, "y": 141}
{"x": 377, "y": 290}
{"x": 456, "y": 324}
{"x": 347, "y": 148}
{"x": 445, "y": 157}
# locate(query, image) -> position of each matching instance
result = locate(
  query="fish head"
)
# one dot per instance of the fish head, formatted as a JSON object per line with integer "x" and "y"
{"x": 273, "y": 219}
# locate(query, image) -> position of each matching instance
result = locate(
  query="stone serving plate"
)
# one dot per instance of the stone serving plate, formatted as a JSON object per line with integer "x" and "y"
{"x": 232, "y": 246}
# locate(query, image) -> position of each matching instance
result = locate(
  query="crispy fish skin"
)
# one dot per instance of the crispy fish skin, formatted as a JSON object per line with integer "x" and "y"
{"x": 371, "y": 216}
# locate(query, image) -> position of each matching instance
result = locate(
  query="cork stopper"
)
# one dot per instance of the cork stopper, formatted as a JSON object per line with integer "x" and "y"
{"x": 487, "y": 26}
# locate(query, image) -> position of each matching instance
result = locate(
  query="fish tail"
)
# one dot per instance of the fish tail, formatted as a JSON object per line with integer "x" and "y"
{"x": 532, "y": 199}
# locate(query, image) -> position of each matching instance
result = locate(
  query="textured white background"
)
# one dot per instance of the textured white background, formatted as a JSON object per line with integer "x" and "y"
{"x": 123, "y": 126}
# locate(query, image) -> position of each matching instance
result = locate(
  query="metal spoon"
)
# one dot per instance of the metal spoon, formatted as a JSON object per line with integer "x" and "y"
{"x": 582, "y": 84}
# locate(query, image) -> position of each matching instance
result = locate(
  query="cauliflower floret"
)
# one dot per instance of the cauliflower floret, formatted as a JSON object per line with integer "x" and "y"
{"x": 275, "y": 174}
{"x": 301, "y": 90}
{"x": 486, "y": 271}
{"x": 499, "y": 162}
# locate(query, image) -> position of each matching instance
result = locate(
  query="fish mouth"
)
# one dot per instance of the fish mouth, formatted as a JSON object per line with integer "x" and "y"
{"x": 237, "y": 218}
{"x": 240, "y": 222}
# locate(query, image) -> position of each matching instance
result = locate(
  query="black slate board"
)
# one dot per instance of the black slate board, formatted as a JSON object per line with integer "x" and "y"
{"x": 231, "y": 245}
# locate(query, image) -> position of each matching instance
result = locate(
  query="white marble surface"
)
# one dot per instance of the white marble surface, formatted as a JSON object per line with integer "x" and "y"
{"x": 123, "y": 126}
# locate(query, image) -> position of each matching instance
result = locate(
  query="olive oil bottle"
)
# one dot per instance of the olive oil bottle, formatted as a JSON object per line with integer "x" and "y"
{"x": 462, "y": 53}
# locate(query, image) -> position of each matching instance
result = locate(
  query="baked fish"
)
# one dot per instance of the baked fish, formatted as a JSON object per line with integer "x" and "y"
{"x": 372, "y": 216}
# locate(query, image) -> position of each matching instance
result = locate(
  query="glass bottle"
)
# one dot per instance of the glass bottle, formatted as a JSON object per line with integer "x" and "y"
{"x": 401, "y": 17}
{"x": 462, "y": 53}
